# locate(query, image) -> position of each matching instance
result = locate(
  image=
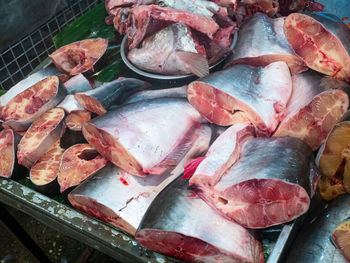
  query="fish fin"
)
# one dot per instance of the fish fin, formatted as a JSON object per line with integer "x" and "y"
{"x": 197, "y": 64}
{"x": 191, "y": 167}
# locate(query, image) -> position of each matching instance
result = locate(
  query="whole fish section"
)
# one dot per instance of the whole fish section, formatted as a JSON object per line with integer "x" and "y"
{"x": 180, "y": 92}
{"x": 78, "y": 163}
{"x": 40, "y": 136}
{"x": 79, "y": 56}
{"x": 147, "y": 19}
{"x": 146, "y": 137}
{"x": 244, "y": 93}
{"x": 333, "y": 160}
{"x": 99, "y": 100}
{"x": 322, "y": 40}
{"x": 121, "y": 199}
{"x": 170, "y": 51}
{"x": 314, "y": 108}
{"x": 29, "y": 105}
{"x": 28, "y": 82}
{"x": 313, "y": 243}
{"x": 8, "y": 153}
{"x": 177, "y": 225}
{"x": 262, "y": 41}
{"x": 271, "y": 183}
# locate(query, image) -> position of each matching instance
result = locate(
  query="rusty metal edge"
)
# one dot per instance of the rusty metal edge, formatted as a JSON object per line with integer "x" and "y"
{"x": 79, "y": 226}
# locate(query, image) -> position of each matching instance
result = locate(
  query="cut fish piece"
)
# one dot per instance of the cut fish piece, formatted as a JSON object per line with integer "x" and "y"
{"x": 78, "y": 163}
{"x": 111, "y": 5}
{"x": 27, "y": 83}
{"x": 333, "y": 160}
{"x": 79, "y": 56}
{"x": 69, "y": 104}
{"x": 44, "y": 172}
{"x": 313, "y": 109}
{"x": 130, "y": 136}
{"x": 40, "y": 136}
{"x": 244, "y": 93}
{"x": 322, "y": 40}
{"x": 180, "y": 92}
{"x": 29, "y": 105}
{"x": 99, "y": 100}
{"x": 186, "y": 228}
{"x": 270, "y": 184}
{"x": 7, "y": 153}
{"x": 121, "y": 199}
{"x": 76, "y": 119}
{"x": 262, "y": 41}
{"x": 222, "y": 154}
{"x": 341, "y": 237}
{"x": 148, "y": 19}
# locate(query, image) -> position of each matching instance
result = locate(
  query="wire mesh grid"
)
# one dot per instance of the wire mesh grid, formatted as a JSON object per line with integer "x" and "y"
{"x": 18, "y": 60}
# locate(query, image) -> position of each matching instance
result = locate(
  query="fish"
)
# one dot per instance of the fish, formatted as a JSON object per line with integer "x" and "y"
{"x": 69, "y": 104}
{"x": 44, "y": 172}
{"x": 262, "y": 41}
{"x": 340, "y": 237}
{"x": 313, "y": 243}
{"x": 186, "y": 228}
{"x": 131, "y": 138}
{"x": 246, "y": 8}
{"x": 80, "y": 56}
{"x": 226, "y": 3}
{"x": 170, "y": 51}
{"x": 322, "y": 40}
{"x": 8, "y": 153}
{"x": 28, "y": 82}
{"x": 23, "y": 109}
{"x": 333, "y": 161}
{"x": 147, "y": 19}
{"x": 314, "y": 108}
{"x": 111, "y": 5}
{"x": 75, "y": 119}
{"x": 200, "y": 7}
{"x": 179, "y": 92}
{"x": 78, "y": 163}
{"x": 77, "y": 83}
{"x": 269, "y": 182}
{"x": 244, "y": 93}
{"x": 40, "y": 136}
{"x": 100, "y": 99}
{"x": 121, "y": 199}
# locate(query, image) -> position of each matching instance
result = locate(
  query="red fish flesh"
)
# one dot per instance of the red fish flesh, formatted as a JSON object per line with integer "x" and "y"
{"x": 270, "y": 183}
{"x": 186, "y": 228}
{"x": 262, "y": 41}
{"x": 8, "y": 153}
{"x": 145, "y": 137}
{"x": 170, "y": 51}
{"x": 78, "y": 163}
{"x": 121, "y": 199}
{"x": 313, "y": 109}
{"x": 322, "y": 40}
{"x": 79, "y": 56}
{"x": 29, "y": 105}
{"x": 244, "y": 93}
{"x": 40, "y": 136}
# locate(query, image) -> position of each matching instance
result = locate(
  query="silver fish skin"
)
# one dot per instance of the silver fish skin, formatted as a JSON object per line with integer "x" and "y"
{"x": 313, "y": 243}
{"x": 260, "y": 189}
{"x": 144, "y": 137}
{"x": 261, "y": 41}
{"x": 200, "y": 7}
{"x": 177, "y": 225}
{"x": 180, "y": 92}
{"x": 69, "y": 104}
{"x": 28, "y": 82}
{"x": 77, "y": 83}
{"x": 121, "y": 199}
{"x": 170, "y": 51}
{"x": 244, "y": 93}
{"x": 99, "y": 100}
